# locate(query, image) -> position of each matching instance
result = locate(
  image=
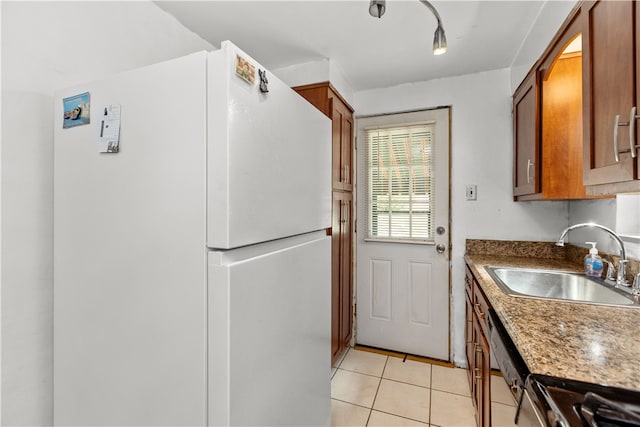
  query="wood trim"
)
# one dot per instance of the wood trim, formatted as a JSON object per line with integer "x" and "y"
{"x": 403, "y": 355}
{"x": 320, "y": 85}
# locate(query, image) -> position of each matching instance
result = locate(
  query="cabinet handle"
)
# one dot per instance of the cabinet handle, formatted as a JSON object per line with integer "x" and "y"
{"x": 616, "y": 124}
{"x": 346, "y": 175}
{"x": 632, "y": 135}
{"x": 529, "y": 164}
{"x": 480, "y": 312}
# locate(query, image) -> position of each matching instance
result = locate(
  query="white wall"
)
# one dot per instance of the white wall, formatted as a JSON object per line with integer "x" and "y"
{"x": 481, "y": 154}
{"x": 316, "y": 72}
{"x": 46, "y": 46}
{"x": 620, "y": 214}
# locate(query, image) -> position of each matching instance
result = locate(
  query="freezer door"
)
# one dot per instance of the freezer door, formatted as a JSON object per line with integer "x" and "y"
{"x": 269, "y": 157}
{"x": 269, "y": 334}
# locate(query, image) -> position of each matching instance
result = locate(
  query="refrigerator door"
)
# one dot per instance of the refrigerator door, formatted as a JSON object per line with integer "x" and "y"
{"x": 269, "y": 333}
{"x": 269, "y": 156}
{"x": 130, "y": 254}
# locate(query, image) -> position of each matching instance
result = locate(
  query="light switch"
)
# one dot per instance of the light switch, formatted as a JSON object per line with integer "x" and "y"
{"x": 471, "y": 192}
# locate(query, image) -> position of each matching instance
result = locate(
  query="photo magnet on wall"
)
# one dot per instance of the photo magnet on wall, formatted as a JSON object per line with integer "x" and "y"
{"x": 109, "y": 139}
{"x": 76, "y": 110}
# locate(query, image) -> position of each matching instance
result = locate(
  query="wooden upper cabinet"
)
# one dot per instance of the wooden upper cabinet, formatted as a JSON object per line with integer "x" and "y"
{"x": 326, "y": 99}
{"x": 548, "y": 120}
{"x": 560, "y": 76}
{"x": 610, "y": 91}
{"x": 526, "y": 151}
{"x": 342, "y": 144}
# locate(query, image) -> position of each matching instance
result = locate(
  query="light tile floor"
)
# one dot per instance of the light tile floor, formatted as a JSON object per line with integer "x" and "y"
{"x": 370, "y": 389}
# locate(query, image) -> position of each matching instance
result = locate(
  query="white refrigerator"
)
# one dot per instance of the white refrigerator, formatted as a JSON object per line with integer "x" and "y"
{"x": 191, "y": 263}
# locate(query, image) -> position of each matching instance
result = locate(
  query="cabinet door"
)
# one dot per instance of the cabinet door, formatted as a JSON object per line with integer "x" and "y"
{"x": 342, "y": 121}
{"x": 341, "y": 278}
{"x": 477, "y": 389}
{"x": 469, "y": 340}
{"x": 608, "y": 90}
{"x": 526, "y": 162}
{"x": 346, "y": 285}
{"x": 336, "y": 240}
{"x": 482, "y": 378}
{"x": 346, "y": 149}
{"x": 485, "y": 368}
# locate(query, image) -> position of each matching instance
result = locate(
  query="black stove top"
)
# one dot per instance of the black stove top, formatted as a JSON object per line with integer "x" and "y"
{"x": 570, "y": 403}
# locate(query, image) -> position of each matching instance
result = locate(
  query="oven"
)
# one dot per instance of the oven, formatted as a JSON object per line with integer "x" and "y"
{"x": 557, "y": 402}
{"x": 569, "y": 403}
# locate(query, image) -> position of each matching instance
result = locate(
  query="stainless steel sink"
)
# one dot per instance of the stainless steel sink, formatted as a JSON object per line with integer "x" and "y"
{"x": 557, "y": 285}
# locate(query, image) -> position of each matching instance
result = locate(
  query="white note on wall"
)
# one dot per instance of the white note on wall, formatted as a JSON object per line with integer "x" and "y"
{"x": 109, "y": 139}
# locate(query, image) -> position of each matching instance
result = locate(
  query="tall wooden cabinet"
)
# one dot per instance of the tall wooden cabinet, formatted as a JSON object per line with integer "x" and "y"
{"x": 611, "y": 79}
{"x": 324, "y": 97}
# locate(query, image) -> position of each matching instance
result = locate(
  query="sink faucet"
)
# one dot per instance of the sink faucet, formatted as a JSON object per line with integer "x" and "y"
{"x": 621, "y": 279}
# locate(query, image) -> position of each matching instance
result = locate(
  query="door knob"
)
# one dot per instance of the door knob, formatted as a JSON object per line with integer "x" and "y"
{"x": 440, "y": 248}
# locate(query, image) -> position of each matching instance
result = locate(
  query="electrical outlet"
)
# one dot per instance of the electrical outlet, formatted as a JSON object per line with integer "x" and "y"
{"x": 472, "y": 192}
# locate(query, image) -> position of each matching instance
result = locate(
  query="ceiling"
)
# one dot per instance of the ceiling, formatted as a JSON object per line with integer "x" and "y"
{"x": 372, "y": 53}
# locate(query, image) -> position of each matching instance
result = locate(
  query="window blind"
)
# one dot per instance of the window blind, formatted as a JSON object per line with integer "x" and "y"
{"x": 400, "y": 182}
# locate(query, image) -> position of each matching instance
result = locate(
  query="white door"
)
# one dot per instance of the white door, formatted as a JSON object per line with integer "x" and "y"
{"x": 403, "y": 232}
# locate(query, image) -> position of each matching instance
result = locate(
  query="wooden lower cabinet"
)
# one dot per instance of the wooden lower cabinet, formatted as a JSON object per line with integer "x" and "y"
{"x": 482, "y": 378}
{"x": 478, "y": 351}
{"x": 341, "y": 277}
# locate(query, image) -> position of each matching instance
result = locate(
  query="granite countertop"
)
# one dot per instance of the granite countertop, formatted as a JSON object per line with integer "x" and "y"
{"x": 587, "y": 342}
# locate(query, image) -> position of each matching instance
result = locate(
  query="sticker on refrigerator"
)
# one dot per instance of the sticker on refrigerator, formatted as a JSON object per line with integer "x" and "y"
{"x": 245, "y": 70}
{"x": 76, "y": 110}
{"x": 109, "y": 139}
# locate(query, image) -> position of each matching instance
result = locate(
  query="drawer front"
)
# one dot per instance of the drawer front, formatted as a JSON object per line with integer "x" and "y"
{"x": 481, "y": 307}
{"x": 468, "y": 283}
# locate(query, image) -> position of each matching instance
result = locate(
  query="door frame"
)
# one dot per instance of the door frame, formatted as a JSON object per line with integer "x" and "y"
{"x": 356, "y": 210}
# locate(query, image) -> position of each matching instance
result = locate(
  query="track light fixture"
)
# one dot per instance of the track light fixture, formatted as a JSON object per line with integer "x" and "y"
{"x": 378, "y": 7}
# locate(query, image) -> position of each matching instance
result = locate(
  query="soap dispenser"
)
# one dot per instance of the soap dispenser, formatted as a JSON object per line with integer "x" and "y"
{"x": 593, "y": 264}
